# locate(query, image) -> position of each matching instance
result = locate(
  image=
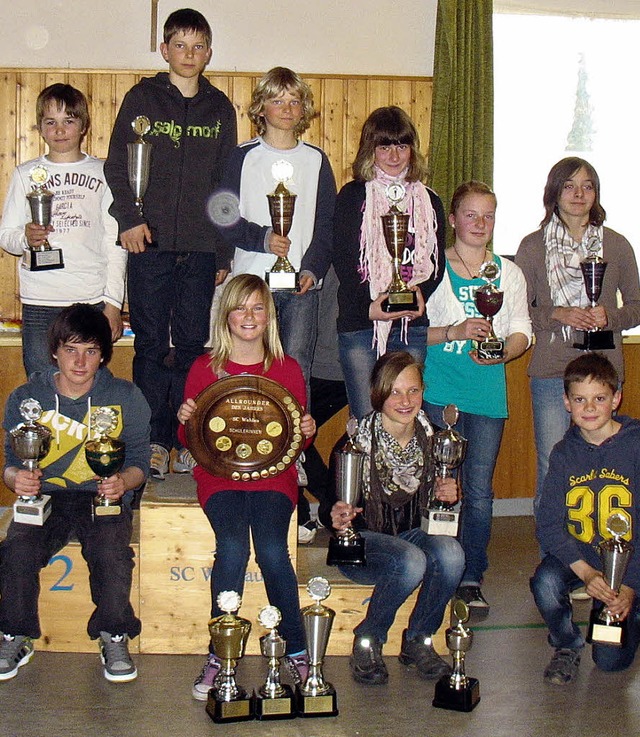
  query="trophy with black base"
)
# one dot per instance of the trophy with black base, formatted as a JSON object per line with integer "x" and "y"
{"x": 31, "y": 441}
{"x": 139, "y": 160}
{"x": 448, "y": 449}
{"x": 273, "y": 700}
{"x": 43, "y": 257}
{"x": 105, "y": 456}
{"x": 395, "y": 225}
{"x": 615, "y": 554}
{"x": 458, "y": 692}
{"x": 317, "y": 697}
{"x": 228, "y": 702}
{"x": 488, "y": 299}
{"x": 593, "y": 269}
{"x": 347, "y": 546}
{"x": 283, "y": 277}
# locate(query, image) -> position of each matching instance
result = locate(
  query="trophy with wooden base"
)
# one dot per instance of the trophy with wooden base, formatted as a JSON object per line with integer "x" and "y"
{"x": 488, "y": 299}
{"x": 31, "y": 441}
{"x": 395, "y": 225}
{"x": 283, "y": 277}
{"x": 347, "y": 546}
{"x": 228, "y": 702}
{"x": 593, "y": 269}
{"x": 43, "y": 257}
{"x": 615, "y": 554}
{"x": 458, "y": 692}
{"x": 317, "y": 697}
{"x": 274, "y": 700}
{"x": 448, "y": 449}
{"x": 139, "y": 160}
{"x": 105, "y": 456}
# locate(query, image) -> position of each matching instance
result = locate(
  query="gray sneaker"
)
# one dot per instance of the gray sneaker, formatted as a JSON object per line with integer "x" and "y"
{"x": 421, "y": 654}
{"x": 184, "y": 462}
{"x": 114, "y": 652}
{"x": 366, "y": 663}
{"x": 159, "y": 462}
{"x": 14, "y": 652}
{"x": 563, "y": 666}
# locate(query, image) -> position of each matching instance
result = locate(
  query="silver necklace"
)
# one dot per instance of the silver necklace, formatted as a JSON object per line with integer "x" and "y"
{"x": 471, "y": 275}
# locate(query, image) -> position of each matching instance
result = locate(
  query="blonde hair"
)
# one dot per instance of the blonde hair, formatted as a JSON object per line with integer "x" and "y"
{"x": 235, "y": 294}
{"x": 274, "y": 83}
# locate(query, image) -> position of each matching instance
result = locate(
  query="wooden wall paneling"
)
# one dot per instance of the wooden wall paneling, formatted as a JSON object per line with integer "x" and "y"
{"x": 332, "y": 139}
{"x": 422, "y": 95}
{"x": 356, "y": 112}
{"x": 378, "y": 91}
{"x": 9, "y": 302}
{"x": 99, "y": 92}
{"x": 240, "y": 95}
{"x": 313, "y": 134}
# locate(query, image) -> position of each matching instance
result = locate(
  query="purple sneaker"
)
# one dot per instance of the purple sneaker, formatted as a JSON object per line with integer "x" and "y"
{"x": 207, "y": 678}
{"x": 298, "y": 667}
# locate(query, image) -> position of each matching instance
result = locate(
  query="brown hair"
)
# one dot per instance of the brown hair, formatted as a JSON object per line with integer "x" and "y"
{"x": 81, "y": 323}
{"x": 64, "y": 97}
{"x": 274, "y": 83}
{"x": 593, "y": 366}
{"x": 559, "y": 174}
{"x": 187, "y": 21}
{"x": 385, "y": 372}
{"x": 467, "y": 188}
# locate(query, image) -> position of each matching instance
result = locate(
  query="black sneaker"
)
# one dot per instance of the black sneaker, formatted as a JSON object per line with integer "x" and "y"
{"x": 15, "y": 651}
{"x": 563, "y": 666}
{"x": 421, "y": 654}
{"x": 472, "y": 596}
{"x": 366, "y": 663}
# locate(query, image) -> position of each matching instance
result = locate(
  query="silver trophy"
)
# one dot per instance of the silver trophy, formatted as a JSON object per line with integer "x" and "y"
{"x": 104, "y": 455}
{"x": 317, "y": 697}
{"x": 395, "y": 226}
{"x": 615, "y": 554}
{"x": 457, "y": 691}
{"x": 31, "y": 441}
{"x": 274, "y": 700}
{"x": 488, "y": 299}
{"x": 448, "y": 449}
{"x": 139, "y": 159}
{"x": 593, "y": 269}
{"x": 43, "y": 257}
{"x": 283, "y": 277}
{"x": 347, "y": 546}
{"x": 228, "y": 702}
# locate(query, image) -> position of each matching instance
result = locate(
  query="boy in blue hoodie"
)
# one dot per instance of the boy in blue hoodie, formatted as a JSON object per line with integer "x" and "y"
{"x": 594, "y": 472}
{"x": 68, "y": 393}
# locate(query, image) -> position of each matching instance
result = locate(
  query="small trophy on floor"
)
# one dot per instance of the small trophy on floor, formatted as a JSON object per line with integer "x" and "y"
{"x": 31, "y": 441}
{"x": 139, "y": 159}
{"x": 274, "y": 700}
{"x": 448, "y": 450}
{"x": 43, "y": 257}
{"x": 457, "y": 691}
{"x": 105, "y": 456}
{"x": 395, "y": 225}
{"x": 347, "y": 546}
{"x": 593, "y": 268}
{"x": 227, "y": 702}
{"x": 283, "y": 277}
{"x": 489, "y": 300}
{"x": 615, "y": 554}
{"x": 317, "y": 697}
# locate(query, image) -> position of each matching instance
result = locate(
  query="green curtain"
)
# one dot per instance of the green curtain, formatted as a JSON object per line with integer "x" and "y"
{"x": 461, "y": 145}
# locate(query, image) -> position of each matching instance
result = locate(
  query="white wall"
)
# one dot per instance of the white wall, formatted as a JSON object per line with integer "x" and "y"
{"x": 328, "y": 36}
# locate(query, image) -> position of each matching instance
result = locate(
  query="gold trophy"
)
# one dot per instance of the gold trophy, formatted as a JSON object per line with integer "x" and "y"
{"x": 489, "y": 300}
{"x": 283, "y": 277}
{"x": 347, "y": 546}
{"x": 274, "y": 700}
{"x": 395, "y": 225}
{"x": 593, "y": 268}
{"x": 104, "y": 455}
{"x": 448, "y": 449}
{"x": 317, "y": 697}
{"x": 43, "y": 257}
{"x": 615, "y": 554}
{"x": 31, "y": 441}
{"x": 457, "y": 691}
{"x": 139, "y": 159}
{"x": 227, "y": 702}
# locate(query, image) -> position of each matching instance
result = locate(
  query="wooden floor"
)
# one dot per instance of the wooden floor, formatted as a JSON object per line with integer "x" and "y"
{"x": 65, "y": 695}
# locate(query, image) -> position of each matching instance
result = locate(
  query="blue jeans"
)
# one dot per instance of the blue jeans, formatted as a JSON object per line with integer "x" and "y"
{"x": 550, "y": 422}
{"x": 106, "y": 548}
{"x": 483, "y": 435}
{"x": 358, "y": 358}
{"x": 170, "y": 295}
{"x": 550, "y": 585}
{"x": 232, "y": 514}
{"x": 396, "y": 566}
{"x": 298, "y": 325}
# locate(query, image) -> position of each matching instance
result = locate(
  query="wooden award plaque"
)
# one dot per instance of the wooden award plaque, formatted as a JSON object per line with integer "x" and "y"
{"x": 245, "y": 428}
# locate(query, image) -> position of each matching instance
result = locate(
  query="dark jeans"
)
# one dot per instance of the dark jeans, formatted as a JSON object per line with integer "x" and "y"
{"x": 550, "y": 585}
{"x": 170, "y": 296}
{"x": 267, "y": 514}
{"x": 106, "y": 548}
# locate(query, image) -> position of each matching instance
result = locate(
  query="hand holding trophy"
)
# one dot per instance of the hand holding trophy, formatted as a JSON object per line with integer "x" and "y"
{"x": 593, "y": 269}
{"x": 489, "y": 300}
{"x": 104, "y": 455}
{"x": 31, "y": 441}
{"x": 43, "y": 257}
{"x": 395, "y": 225}
{"x": 139, "y": 159}
{"x": 274, "y": 700}
{"x": 283, "y": 277}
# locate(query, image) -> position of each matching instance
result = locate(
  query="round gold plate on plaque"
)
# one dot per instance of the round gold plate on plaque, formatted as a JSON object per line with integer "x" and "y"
{"x": 245, "y": 428}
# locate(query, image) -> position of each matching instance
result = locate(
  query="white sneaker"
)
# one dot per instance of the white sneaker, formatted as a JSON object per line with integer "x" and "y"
{"x": 307, "y": 533}
{"x": 159, "y": 462}
{"x": 184, "y": 462}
